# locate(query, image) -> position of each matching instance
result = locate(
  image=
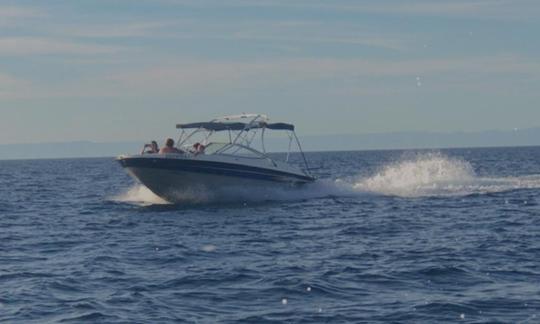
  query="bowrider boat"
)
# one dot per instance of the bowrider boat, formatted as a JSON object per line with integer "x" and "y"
{"x": 219, "y": 155}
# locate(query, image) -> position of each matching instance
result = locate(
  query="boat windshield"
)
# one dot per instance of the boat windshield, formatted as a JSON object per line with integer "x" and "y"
{"x": 231, "y": 149}
{"x": 212, "y": 148}
{"x": 240, "y": 150}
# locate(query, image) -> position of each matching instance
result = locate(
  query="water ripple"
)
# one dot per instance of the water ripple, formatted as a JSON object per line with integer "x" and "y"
{"x": 388, "y": 236}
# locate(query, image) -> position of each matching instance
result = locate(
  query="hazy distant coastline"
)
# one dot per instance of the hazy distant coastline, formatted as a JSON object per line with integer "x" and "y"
{"x": 397, "y": 140}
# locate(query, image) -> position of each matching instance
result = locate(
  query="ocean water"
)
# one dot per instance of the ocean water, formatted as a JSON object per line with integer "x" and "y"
{"x": 383, "y": 236}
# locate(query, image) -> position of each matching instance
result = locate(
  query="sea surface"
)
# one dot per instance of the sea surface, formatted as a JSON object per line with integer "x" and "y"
{"x": 432, "y": 236}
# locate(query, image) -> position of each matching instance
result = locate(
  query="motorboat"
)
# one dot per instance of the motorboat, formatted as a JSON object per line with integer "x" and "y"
{"x": 221, "y": 155}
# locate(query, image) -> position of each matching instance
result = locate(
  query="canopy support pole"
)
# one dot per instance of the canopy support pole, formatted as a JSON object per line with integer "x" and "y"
{"x": 301, "y": 152}
{"x": 290, "y": 144}
{"x": 262, "y": 140}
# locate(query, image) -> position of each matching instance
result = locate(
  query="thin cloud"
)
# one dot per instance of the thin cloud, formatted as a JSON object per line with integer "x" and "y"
{"x": 314, "y": 68}
{"x": 277, "y": 31}
{"x": 10, "y": 46}
{"x": 11, "y": 86}
{"x": 15, "y": 17}
{"x": 486, "y": 9}
{"x": 7, "y": 80}
{"x": 190, "y": 77}
{"x": 12, "y": 12}
{"x": 201, "y": 76}
{"x": 140, "y": 29}
{"x": 424, "y": 7}
{"x": 492, "y": 9}
{"x": 391, "y": 43}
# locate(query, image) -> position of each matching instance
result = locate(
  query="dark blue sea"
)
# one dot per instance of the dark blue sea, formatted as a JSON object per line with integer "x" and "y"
{"x": 444, "y": 236}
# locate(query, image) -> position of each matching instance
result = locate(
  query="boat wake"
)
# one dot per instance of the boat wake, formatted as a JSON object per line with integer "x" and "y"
{"x": 426, "y": 175}
{"x": 436, "y": 175}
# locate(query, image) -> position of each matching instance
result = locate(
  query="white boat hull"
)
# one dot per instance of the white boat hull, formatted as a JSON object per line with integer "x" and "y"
{"x": 176, "y": 178}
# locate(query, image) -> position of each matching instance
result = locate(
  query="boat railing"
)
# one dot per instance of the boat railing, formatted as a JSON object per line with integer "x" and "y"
{"x": 240, "y": 134}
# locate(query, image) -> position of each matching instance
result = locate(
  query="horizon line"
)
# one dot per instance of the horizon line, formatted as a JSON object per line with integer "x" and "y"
{"x": 306, "y": 151}
{"x": 300, "y": 135}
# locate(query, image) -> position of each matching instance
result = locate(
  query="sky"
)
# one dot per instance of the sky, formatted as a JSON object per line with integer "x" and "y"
{"x": 117, "y": 70}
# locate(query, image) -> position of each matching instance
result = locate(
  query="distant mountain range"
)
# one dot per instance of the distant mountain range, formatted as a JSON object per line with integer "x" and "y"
{"x": 397, "y": 140}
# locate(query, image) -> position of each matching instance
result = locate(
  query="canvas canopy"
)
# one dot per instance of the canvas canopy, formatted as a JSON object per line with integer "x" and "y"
{"x": 218, "y": 126}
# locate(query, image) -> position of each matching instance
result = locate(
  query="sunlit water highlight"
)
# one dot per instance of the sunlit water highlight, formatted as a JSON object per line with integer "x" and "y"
{"x": 383, "y": 236}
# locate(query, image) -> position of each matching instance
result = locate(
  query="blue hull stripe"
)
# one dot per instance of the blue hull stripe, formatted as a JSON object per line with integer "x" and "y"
{"x": 212, "y": 167}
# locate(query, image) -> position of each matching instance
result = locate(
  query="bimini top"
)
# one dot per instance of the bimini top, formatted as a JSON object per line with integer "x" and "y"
{"x": 236, "y": 126}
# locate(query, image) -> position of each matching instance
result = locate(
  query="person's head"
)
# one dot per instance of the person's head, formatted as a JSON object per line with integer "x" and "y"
{"x": 169, "y": 142}
{"x": 154, "y": 145}
{"x": 196, "y": 145}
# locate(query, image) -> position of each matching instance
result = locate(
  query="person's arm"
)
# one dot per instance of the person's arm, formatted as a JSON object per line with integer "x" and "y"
{"x": 144, "y": 148}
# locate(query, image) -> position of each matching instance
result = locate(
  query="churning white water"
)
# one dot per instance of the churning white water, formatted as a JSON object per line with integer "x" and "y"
{"x": 435, "y": 174}
{"x": 139, "y": 195}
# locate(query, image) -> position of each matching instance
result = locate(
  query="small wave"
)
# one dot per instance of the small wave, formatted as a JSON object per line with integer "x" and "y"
{"x": 91, "y": 317}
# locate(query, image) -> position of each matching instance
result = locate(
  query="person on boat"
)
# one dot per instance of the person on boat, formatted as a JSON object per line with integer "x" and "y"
{"x": 153, "y": 148}
{"x": 198, "y": 148}
{"x": 169, "y": 147}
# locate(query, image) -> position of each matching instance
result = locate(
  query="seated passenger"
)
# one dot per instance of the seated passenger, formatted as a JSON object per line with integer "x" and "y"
{"x": 198, "y": 148}
{"x": 153, "y": 148}
{"x": 169, "y": 147}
